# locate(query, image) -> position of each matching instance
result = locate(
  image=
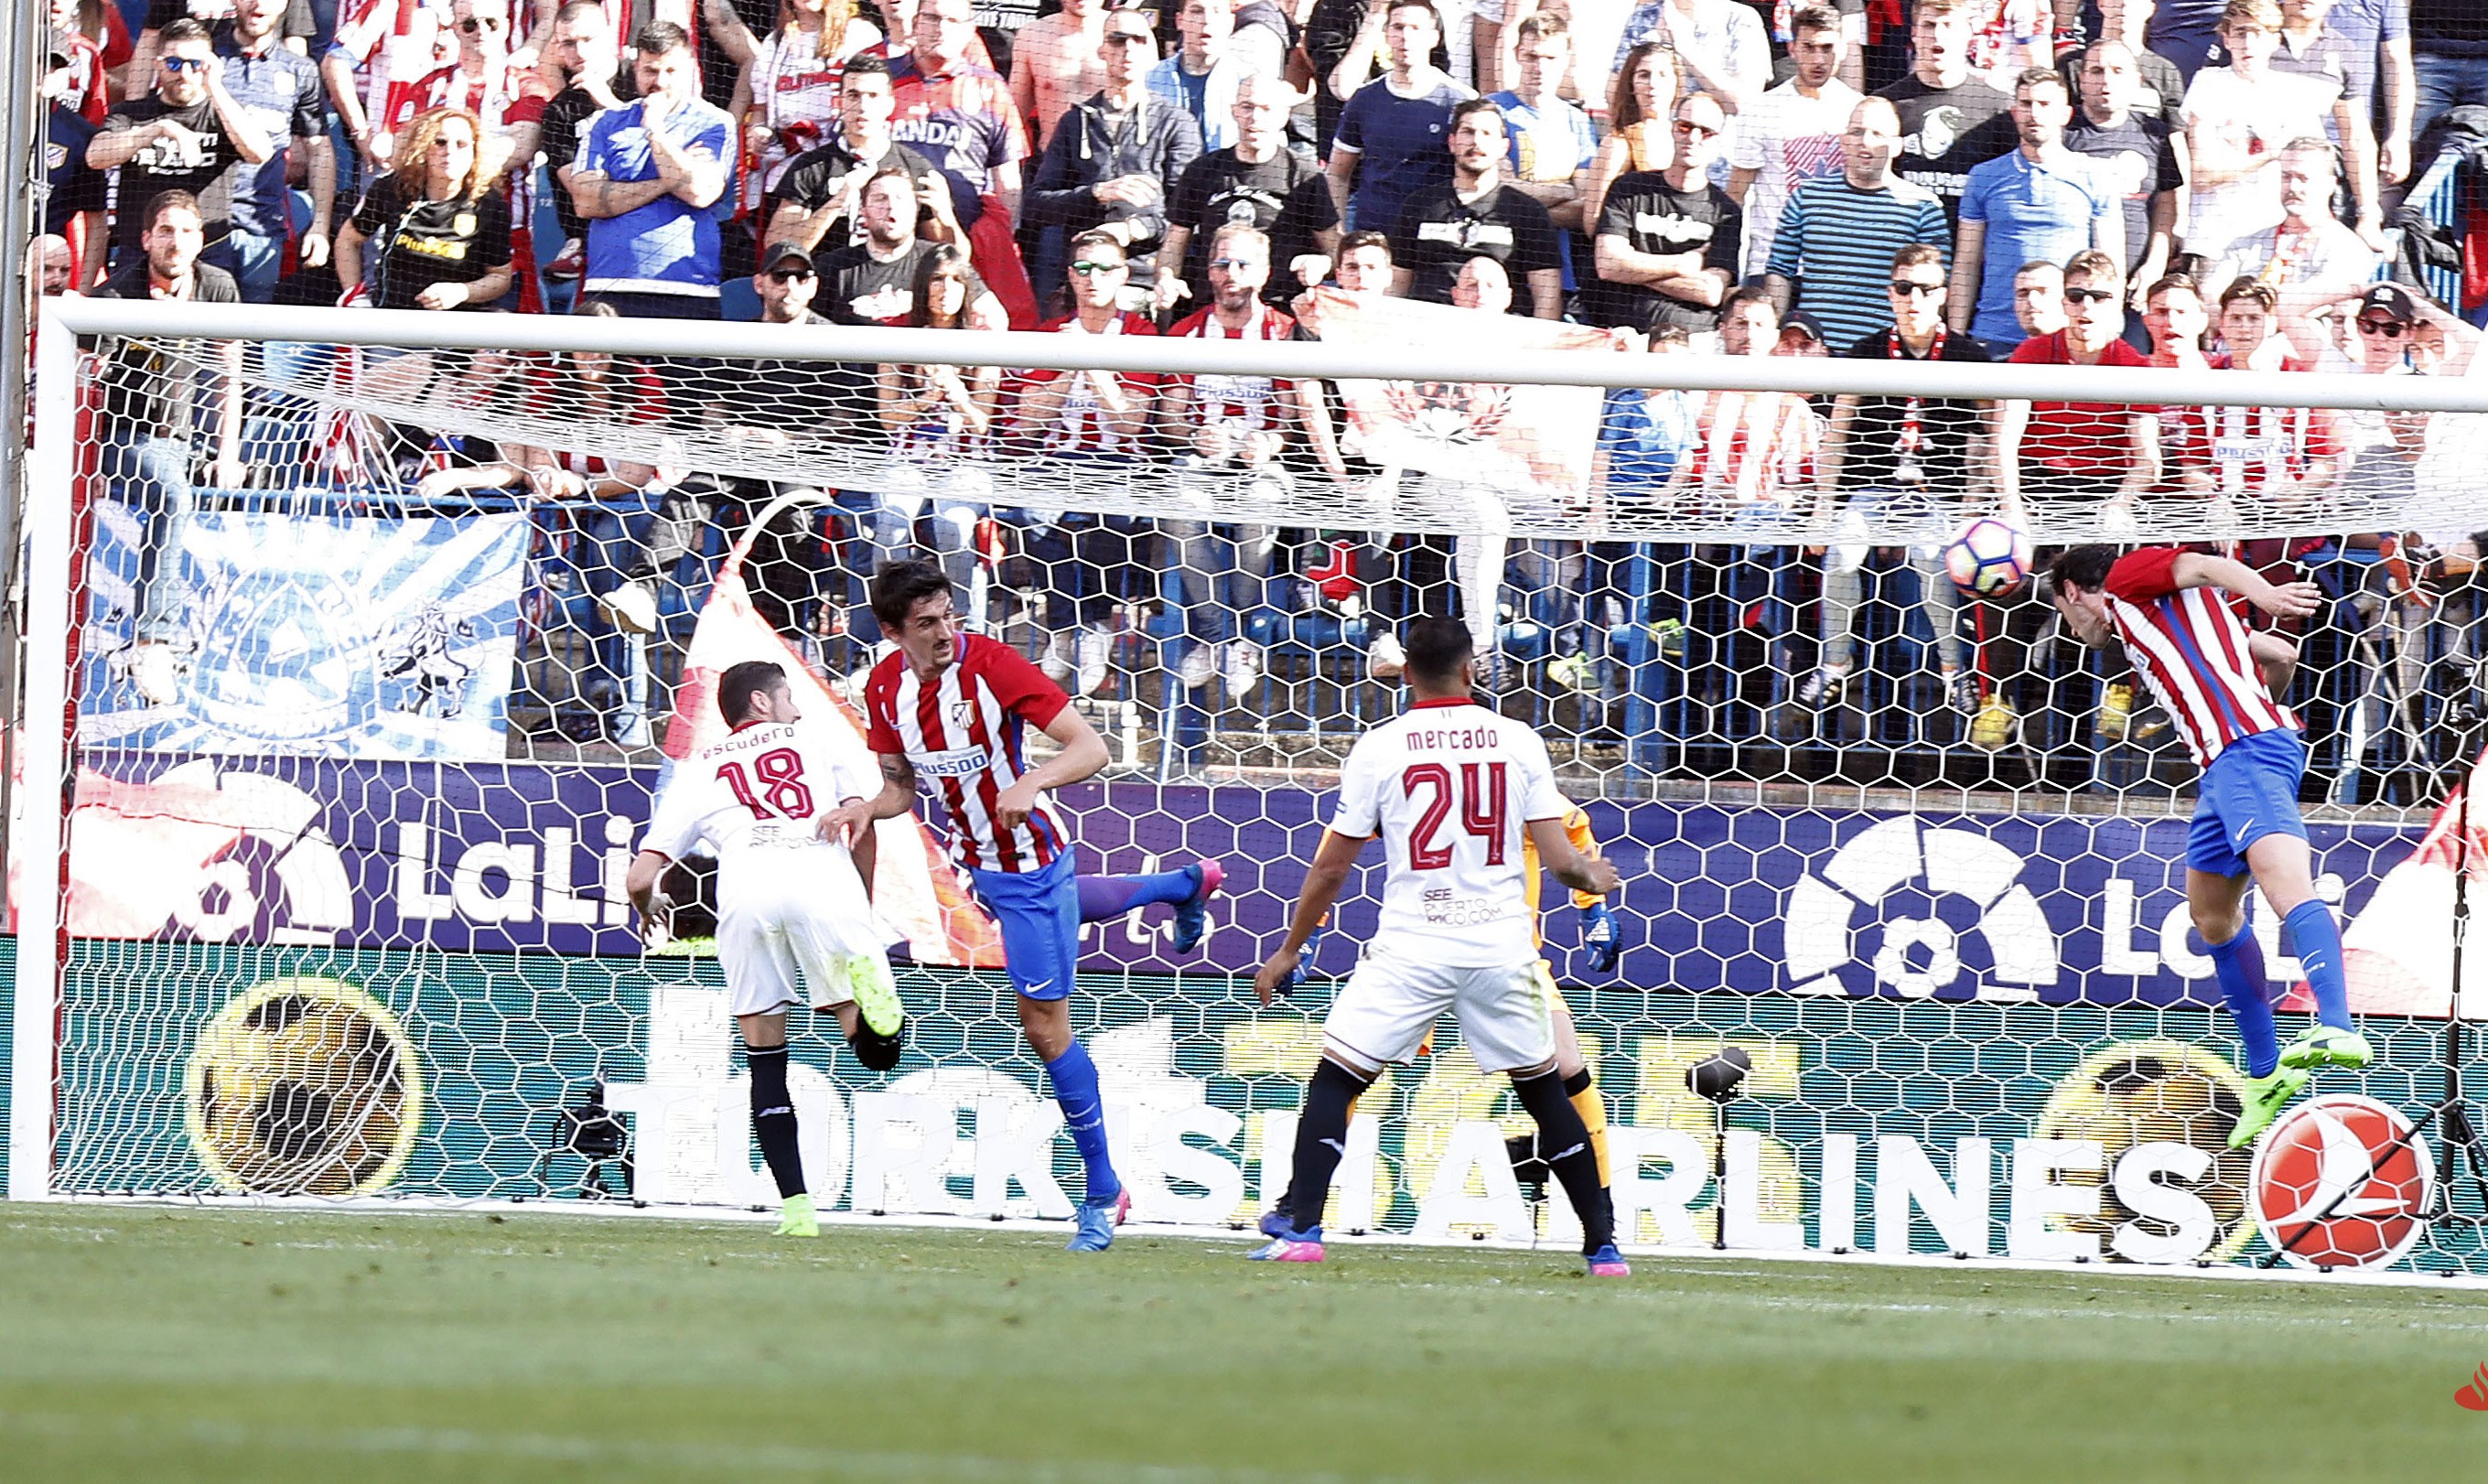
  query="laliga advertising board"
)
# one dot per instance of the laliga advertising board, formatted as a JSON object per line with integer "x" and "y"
{"x": 1982, "y": 1034}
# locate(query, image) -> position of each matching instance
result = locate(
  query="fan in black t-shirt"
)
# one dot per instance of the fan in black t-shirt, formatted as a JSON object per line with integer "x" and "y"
{"x": 1473, "y": 214}
{"x": 416, "y": 242}
{"x": 1696, "y": 223}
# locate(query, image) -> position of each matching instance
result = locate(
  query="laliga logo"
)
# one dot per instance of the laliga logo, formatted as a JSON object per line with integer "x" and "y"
{"x": 284, "y": 853}
{"x": 1918, "y": 954}
{"x": 2342, "y": 1182}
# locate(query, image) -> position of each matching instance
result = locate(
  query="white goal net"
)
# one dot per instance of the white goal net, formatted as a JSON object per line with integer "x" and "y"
{"x": 359, "y": 643}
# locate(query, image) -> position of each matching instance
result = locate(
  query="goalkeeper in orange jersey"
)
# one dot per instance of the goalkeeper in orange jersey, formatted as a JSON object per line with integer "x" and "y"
{"x": 1601, "y": 946}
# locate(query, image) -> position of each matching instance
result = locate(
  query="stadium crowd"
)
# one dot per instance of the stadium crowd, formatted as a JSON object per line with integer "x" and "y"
{"x": 2204, "y": 184}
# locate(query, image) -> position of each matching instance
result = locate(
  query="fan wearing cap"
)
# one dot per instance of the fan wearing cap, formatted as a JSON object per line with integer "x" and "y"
{"x": 2381, "y": 329}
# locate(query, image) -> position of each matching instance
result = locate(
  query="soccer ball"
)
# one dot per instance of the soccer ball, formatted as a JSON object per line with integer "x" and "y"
{"x": 304, "y": 1087}
{"x": 1988, "y": 558}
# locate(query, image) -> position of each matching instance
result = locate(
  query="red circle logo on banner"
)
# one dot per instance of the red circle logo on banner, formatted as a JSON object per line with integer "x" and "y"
{"x": 2342, "y": 1182}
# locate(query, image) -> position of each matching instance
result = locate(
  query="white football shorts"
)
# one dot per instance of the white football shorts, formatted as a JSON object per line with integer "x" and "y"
{"x": 801, "y": 937}
{"x": 1390, "y": 1002}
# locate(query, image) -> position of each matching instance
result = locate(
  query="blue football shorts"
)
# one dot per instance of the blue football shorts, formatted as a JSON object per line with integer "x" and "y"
{"x": 1038, "y": 913}
{"x": 2249, "y": 790}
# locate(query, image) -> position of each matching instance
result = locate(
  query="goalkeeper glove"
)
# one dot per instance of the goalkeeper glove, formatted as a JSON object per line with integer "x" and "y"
{"x": 1600, "y": 942}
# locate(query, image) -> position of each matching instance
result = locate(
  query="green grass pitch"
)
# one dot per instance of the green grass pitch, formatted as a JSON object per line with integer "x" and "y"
{"x": 149, "y": 1343}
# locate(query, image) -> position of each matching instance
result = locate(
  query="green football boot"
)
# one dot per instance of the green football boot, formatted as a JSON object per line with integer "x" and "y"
{"x": 2266, "y": 1096}
{"x": 795, "y": 1218}
{"x": 2328, "y": 1046}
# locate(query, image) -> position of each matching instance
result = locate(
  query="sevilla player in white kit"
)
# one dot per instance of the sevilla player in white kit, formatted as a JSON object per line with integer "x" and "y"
{"x": 1457, "y": 793}
{"x": 791, "y": 906}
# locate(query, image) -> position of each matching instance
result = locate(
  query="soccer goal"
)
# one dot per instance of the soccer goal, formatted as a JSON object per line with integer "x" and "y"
{"x": 359, "y": 643}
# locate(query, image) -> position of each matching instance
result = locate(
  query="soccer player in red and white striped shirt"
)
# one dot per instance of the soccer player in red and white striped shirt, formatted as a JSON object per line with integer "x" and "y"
{"x": 2173, "y": 613}
{"x": 953, "y": 708}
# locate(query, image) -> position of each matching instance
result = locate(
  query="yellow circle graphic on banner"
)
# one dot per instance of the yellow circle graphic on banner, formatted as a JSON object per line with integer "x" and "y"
{"x": 2154, "y": 1092}
{"x": 304, "y": 1086}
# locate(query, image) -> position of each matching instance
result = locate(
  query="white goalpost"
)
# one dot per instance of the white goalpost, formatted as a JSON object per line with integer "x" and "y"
{"x": 330, "y": 773}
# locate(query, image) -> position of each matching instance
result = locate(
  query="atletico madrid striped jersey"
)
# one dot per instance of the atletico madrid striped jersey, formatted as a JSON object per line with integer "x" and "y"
{"x": 2190, "y": 647}
{"x": 965, "y": 731}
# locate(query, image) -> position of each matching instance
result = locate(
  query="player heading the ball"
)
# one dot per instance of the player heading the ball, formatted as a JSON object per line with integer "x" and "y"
{"x": 953, "y": 708}
{"x": 790, "y": 897}
{"x": 2171, "y": 612}
{"x": 1455, "y": 791}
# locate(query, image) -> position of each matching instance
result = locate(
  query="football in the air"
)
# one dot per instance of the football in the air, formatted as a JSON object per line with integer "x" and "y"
{"x": 1989, "y": 557}
{"x": 304, "y": 1086}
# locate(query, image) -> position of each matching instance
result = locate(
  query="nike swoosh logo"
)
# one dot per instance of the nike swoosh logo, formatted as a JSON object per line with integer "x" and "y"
{"x": 1340, "y": 1145}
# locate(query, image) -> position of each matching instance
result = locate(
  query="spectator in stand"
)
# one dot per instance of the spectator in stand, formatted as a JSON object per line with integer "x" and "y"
{"x": 648, "y": 179}
{"x": 1260, "y": 181}
{"x": 1833, "y": 255}
{"x": 1474, "y": 214}
{"x": 191, "y": 137}
{"x": 2079, "y": 449}
{"x": 2179, "y": 328}
{"x": 956, "y": 110}
{"x": 820, "y": 196}
{"x": 1951, "y": 118}
{"x": 1904, "y": 462}
{"x": 1058, "y": 60}
{"x": 2040, "y": 202}
{"x": 94, "y": 39}
{"x": 1201, "y": 75}
{"x": 2309, "y": 47}
{"x": 938, "y": 418}
{"x": 786, "y": 91}
{"x": 2239, "y": 117}
{"x": 1333, "y": 29}
{"x": 1758, "y": 448}
{"x": 482, "y": 79}
{"x": 1641, "y": 113}
{"x": 1669, "y": 240}
{"x": 1226, "y": 429}
{"x": 2187, "y": 32}
{"x": 55, "y": 266}
{"x": 2132, "y": 154}
{"x": 1392, "y": 134}
{"x": 2039, "y": 299}
{"x": 2158, "y": 89}
{"x": 584, "y": 69}
{"x": 1097, "y": 424}
{"x": 1116, "y": 157}
{"x": 153, "y": 401}
{"x": 2382, "y": 323}
{"x": 2308, "y": 253}
{"x": 873, "y": 281}
{"x": 431, "y": 234}
{"x": 1647, "y": 436}
{"x": 2371, "y": 40}
{"x": 1553, "y": 144}
{"x": 2272, "y": 454}
{"x": 280, "y": 92}
{"x": 369, "y": 66}
{"x": 611, "y": 549}
{"x": 74, "y": 193}
{"x": 295, "y": 29}
{"x": 1723, "y": 46}
{"x": 1793, "y": 132}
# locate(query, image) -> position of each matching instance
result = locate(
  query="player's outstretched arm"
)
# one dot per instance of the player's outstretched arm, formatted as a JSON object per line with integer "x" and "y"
{"x": 1324, "y": 879}
{"x": 2285, "y": 599}
{"x": 1574, "y": 869}
{"x": 1082, "y": 756}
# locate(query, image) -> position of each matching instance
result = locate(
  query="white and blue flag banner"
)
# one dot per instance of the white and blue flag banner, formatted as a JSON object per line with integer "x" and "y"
{"x": 329, "y": 636}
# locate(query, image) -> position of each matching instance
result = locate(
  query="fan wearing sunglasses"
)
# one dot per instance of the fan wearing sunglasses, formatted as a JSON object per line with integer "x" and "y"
{"x": 191, "y": 136}
{"x": 2383, "y": 329}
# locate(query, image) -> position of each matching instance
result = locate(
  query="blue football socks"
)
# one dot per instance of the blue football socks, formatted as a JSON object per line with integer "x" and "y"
{"x": 2316, "y": 944}
{"x": 1102, "y": 897}
{"x": 2238, "y": 964}
{"x": 1083, "y": 1112}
